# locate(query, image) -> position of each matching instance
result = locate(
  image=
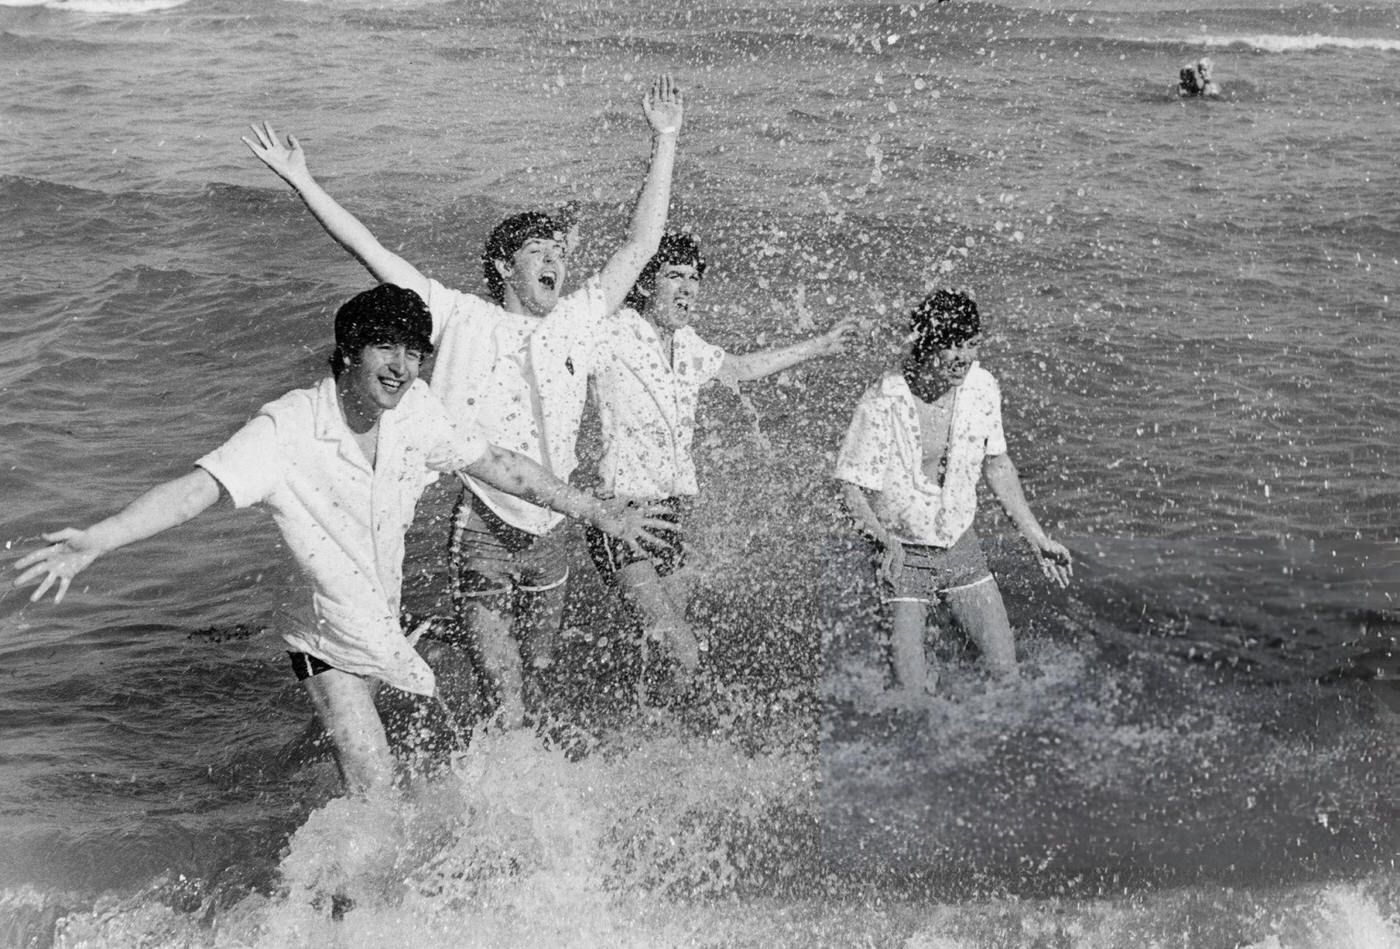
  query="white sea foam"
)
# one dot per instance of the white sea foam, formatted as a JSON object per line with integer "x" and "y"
{"x": 1283, "y": 43}
{"x": 100, "y": 7}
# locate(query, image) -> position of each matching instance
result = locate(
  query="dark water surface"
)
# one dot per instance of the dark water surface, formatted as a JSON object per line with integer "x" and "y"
{"x": 1191, "y": 321}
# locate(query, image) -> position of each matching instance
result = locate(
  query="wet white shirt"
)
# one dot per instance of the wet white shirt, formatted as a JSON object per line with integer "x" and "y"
{"x": 646, "y": 403}
{"x": 522, "y": 379}
{"x": 344, "y": 521}
{"x": 883, "y": 452}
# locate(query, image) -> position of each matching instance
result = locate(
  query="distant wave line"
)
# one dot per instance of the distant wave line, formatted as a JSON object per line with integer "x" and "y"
{"x": 101, "y": 7}
{"x": 1283, "y": 43}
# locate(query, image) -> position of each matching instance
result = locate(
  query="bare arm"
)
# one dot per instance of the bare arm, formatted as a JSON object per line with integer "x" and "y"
{"x": 765, "y": 362}
{"x": 1005, "y": 483}
{"x": 516, "y": 474}
{"x": 858, "y": 506}
{"x": 289, "y": 163}
{"x": 665, "y": 110}
{"x": 161, "y": 508}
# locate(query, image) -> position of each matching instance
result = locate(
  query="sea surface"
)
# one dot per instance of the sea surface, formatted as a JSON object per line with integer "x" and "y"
{"x": 1189, "y": 310}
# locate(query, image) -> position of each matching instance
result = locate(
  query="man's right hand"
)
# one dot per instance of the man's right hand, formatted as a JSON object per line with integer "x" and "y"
{"x": 71, "y": 551}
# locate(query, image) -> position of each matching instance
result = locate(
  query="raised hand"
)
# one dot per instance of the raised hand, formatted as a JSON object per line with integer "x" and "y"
{"x": 69, "y": 555}
{"x": 287, "y": 161}
{"x": 664, "y": 106}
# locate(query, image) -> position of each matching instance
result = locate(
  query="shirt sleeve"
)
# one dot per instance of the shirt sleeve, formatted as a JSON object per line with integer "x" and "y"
{"x": 448, "y": 446}
{"x": 442, "y": 304}
{"x": 709, "y": 359}
{"x": 250, "y": 464}
{"x": 996, "y": 434}
{"x": 869, "y": 445}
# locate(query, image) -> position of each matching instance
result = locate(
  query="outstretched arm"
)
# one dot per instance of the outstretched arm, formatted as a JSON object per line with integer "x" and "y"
{"x": 516, "y": 474}
{"x": 1006, "y": 487}
{"x": 892, "y": 549}
{"x": 161, "y": 508}
{"x": 289, "y": 163}
{"x": 665, "y": 110}
{"x": 765, "y": 362}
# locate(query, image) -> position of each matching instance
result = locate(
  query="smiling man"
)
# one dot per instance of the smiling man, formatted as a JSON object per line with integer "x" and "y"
{"x": 341, "y": 466}
{"x": 647, "y": 386}
{"x": 518, "y": 365}
{"x": 918, "y": 442}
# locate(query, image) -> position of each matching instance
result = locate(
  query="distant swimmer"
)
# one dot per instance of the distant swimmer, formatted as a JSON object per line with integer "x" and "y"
{"x": 647, "y": 385}
{"x": 340, "y": 466}
{"x": 1196, "y": 79}
{"x": 921, "y": 438}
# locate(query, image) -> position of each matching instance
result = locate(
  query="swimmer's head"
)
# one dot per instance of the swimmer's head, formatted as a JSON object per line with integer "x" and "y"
{"x": 944, "y": 319}
{"x": 526, "y": 254}
{"x": 1204, "y": 66}
{"x": 677, "y": 258}
{"x": 387, "y": 314}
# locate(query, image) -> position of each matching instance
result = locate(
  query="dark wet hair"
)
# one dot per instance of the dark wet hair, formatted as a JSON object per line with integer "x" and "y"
{"x": 386, "y": 314}
{"x": 508, "y": 237}
{"x": 675, "y": 248}
{"x": 945, "y": 318}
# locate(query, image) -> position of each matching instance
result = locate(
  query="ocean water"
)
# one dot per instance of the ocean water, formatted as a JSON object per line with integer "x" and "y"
{"x": 1191, "y": 320}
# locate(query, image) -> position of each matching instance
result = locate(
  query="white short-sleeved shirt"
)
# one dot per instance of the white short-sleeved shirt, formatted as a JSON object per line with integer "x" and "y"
{"x": 882, "y": 452}
{"x": 646, "y": 403}
{"x": 522, "y": 379}
{"x": 343, "y": 521}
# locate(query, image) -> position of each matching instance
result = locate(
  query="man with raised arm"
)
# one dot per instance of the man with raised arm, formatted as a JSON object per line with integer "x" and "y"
{"x": 341, "y": 466}
{"x": 920, "y": 439}
{"x": 518, "y": 365}
{"x": 647, "y": 388}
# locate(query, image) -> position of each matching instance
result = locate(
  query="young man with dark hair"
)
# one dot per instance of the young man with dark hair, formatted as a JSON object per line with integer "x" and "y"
{"x": 340, "y": 466}
{"x": 517, "y": 365}
{"x": 646, "y": 390}
{"x": 918, "y": 442}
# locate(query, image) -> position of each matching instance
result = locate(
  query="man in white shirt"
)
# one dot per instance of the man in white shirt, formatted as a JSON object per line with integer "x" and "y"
{"x": 919, "y": 441}
{"x": 646, "y": 387}
{"x": 518, "y": 365}
{"x": 340, "y": 466}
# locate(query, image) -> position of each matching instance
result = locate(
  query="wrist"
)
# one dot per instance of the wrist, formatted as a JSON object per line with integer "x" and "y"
{"x": 670, "y": 131}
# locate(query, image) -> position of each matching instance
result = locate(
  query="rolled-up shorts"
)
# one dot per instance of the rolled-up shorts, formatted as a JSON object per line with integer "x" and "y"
{"x": 932, "y": 572}
{"x": 490, "y": 557}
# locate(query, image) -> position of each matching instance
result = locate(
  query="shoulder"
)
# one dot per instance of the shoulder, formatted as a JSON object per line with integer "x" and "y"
{"x": 300, "y": 406}
{"x": 446, "y": 303}
{"x": 982, "y": 380}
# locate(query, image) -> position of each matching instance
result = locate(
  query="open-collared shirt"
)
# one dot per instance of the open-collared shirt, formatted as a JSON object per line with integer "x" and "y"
{"x": 646, "y": 404}
{"x": 344, "y": 520}
{"x": 523, "y": 379}
{"x": 883, "y": 452}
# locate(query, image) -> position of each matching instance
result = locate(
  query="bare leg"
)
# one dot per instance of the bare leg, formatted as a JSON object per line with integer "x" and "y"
{"x": 661, "y": 612}
{"x": 345, "y": 704}
{"x": 911, "y": 668}
{"x": 979, "y": 610}
{"x": 487, "y": 623}
{"x": 539, "y": 616}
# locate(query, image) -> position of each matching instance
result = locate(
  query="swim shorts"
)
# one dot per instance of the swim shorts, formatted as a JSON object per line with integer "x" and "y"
{"x": 491, "y": 557}
{"x": 931, "y": 572}
{"x": 610, "y": 554}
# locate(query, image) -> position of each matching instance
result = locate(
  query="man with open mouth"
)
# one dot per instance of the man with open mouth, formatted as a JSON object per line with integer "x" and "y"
{"x": 517, "y": 365}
